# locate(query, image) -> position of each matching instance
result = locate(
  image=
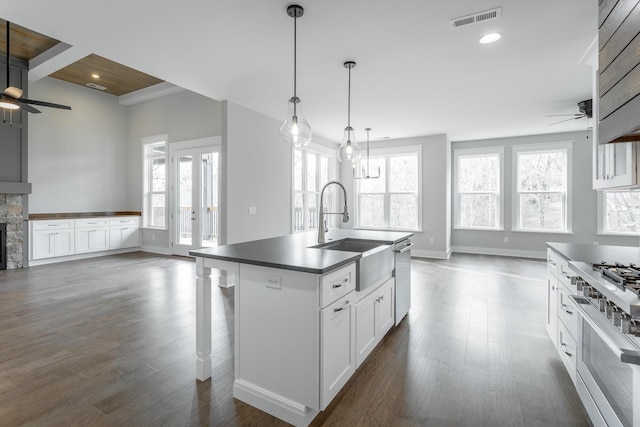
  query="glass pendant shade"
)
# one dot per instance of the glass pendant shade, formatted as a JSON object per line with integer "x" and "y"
{"x": 295, "y": 130}
{"x": 349, "y": 150}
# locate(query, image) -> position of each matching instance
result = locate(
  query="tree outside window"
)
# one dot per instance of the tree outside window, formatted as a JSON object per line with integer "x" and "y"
{"x": 478, "y": 189}
{"x": 155, "y": 182}
{"x": 391, "y": 201}
{"x": 622, "y": 212}
{"x": 542, "y": 190}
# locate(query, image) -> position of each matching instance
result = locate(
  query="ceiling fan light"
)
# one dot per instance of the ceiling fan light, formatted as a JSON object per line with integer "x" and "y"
{"x": 9, "y": 104}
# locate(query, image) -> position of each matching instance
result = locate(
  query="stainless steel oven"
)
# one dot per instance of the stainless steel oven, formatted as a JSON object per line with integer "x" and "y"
{"x": 608, "y": 366}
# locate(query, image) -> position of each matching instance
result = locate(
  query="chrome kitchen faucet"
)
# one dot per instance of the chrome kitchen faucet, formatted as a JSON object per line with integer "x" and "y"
{"x": 345, "y": 215}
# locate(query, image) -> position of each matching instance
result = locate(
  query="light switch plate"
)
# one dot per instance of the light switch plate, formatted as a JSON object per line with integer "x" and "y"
{"x": 274, "y": 282}
{"x": 252, "y": 210}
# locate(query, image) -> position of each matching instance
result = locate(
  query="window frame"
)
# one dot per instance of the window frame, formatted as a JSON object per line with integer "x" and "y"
{"x": 320, "y": 151}
{"x": 602, "y": 213}
{"x": 459, "y": 153}
{"x": 147, "y": 180}
{"x": 387, "y": 153}
{"x": 566, "y": 147}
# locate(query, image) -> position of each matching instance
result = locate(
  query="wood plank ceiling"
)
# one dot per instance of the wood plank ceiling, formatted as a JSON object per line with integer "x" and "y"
{"x": 117, "y": 79}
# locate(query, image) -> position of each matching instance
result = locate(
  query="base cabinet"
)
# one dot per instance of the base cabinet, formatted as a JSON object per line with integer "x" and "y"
{"x": 52, "y": 239}
{"x": 337, "y": 361}
{"x": 374, "y": 318}
{"x": 91, "y": 235}
{"x": 124, "y": 233}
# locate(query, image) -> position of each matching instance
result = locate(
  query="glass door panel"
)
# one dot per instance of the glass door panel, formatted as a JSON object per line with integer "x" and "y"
{"x": 184, "y": 199}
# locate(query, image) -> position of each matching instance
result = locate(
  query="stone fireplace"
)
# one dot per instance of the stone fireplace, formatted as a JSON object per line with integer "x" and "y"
{"x": 11, "y": 214}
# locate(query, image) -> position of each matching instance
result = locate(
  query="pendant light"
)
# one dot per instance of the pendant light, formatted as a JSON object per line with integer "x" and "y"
{"x": 349, "y": 150}
{"x": 366, "y": 173}
{"x": 295, "y": 129}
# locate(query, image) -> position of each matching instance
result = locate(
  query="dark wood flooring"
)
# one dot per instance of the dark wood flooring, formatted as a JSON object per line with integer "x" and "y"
{"x": 111, "y": 342}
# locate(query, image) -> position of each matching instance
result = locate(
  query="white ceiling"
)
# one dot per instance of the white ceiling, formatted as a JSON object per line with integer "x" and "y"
{"x": 415, "y": 75}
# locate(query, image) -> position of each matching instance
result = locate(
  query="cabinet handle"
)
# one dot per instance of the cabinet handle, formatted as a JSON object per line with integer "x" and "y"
{"x": 564, "y": 307}
{"x": 564, "y": 349}
{"x": 551, "y": 262}
{"x": 564, "y": 273}
{"x": 346, "y": 304}
{"x": 339, "y": 285}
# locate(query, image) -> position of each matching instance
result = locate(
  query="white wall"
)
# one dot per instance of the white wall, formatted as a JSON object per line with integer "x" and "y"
{"x": 436, "y": 194}
{"x": 256, "y": 170}
{"x": 182, "y": 116}
{"x": 77, "y": 158}
{"x": 533, "y": 244}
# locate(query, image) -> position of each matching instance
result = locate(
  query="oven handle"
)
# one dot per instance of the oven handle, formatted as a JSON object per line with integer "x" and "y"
{"x": 404, "y": 248}
{"x": 626, "y": 356}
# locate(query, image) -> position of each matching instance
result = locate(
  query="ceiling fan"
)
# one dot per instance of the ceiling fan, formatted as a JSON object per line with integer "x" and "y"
{"x": 11, "y": 98}
{"x": 585, "y": 108}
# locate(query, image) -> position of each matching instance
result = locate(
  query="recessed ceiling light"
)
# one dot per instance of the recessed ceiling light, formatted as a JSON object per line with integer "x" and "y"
{"x": 95, "y": 76}
{"x": 490, "y": 38}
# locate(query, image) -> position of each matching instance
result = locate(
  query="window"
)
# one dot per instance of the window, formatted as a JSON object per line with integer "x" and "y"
{"x": 313, "y": 167}
{"x": 478, "y": 182}
{"x": 154, "y": 206}
{"x": 393, "y": 201}
{"x": 621, "y": 212}
{"x": 542, "y": 188}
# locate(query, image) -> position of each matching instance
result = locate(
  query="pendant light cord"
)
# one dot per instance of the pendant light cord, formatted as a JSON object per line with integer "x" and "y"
{"x": 8, "y": 52}
{"x": 349, "y": 101}
{"x": 295, "y": 62}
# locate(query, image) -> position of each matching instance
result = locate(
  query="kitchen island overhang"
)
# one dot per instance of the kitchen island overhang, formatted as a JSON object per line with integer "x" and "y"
{"x": 288, "y": 297}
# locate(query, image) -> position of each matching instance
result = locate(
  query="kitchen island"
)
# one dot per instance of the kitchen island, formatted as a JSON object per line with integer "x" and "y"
{"x": 302, "y": 322}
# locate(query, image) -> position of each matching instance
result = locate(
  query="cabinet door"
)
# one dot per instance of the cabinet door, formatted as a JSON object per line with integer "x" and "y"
{"x": 552, "y": 308}
{"x": 365, "y": 327}
{"x": 82, "y": 238}
{"x": 91, "y": 239}
{"x": 337, "y": 347}
{"x": 384, "y": 309}
{"x": 131, "y": 237}
{"x": 614, "y": 165}
{"x": 64, "y": 243}
{"x": 42, "y": 244}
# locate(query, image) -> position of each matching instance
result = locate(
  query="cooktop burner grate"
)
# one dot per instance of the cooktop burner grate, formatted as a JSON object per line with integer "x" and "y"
{"x": 624, "y": 276}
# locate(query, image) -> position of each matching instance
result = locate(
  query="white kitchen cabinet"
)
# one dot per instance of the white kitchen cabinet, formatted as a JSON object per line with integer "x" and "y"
{"x": 124, "y": 232}
{"x": 91, "y": 235}
{"x": 374, "y": 318}
{"x": 337, "y": 347}
{"x": 52, "y": 239}
{"x": 615, "y": 165}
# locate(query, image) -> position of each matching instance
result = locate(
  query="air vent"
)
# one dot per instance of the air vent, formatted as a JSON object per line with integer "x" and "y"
{"x": 487, "y": 15}
{"x": 95, "y": 86}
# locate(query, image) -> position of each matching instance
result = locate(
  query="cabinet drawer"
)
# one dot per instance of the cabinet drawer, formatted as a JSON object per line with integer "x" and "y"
{"x": 552, "y": 262}
{"x": 567, "y": 350}
{"x": 125, "y": 221}
{"x": 52, "y": 224}
{"x": 567, "y": 312}
{"x": 336, "y": 284}
{"x": 92, "y": 222}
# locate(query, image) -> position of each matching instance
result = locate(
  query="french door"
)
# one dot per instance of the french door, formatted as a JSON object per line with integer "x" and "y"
{"x": 194, "y": 195}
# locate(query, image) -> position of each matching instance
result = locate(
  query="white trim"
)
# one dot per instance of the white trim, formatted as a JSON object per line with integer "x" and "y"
{"x": 156, "y": 249}
{"x": 549, "y": 147}
{"x": 500, "y": 252}
{"x": 150, "y": 93}
{"x": 479, "y": 152}
{"x": 419, "y": 253}
{"x": 479, "y": 229}
{"x": 54, "y": 260}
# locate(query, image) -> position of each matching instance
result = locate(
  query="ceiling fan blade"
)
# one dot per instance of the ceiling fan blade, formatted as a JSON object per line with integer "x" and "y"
{"x": 561, "y": 115}
{"x": 44, "y": 104}
{"x": 568, "y": 120}
{"x": 28, "y": 107}
{"x": 13, "y": 92}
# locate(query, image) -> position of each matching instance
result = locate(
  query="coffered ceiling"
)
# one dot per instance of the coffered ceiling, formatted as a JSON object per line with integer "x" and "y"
{"x": 116, "y": 79}
{"x": 416, "y": 74}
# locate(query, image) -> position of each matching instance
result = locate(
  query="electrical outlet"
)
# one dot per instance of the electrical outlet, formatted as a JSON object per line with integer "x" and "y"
{"x": 274, "y": 282}
{"x": 252, "y": 210}
{"x": 431, "y": 241}
{"x": 506, "y": 240}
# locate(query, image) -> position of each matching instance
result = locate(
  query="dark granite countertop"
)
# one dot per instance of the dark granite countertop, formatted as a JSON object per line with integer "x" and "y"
{"x": 293, "y": 252}
{"x": 597, "y": 253}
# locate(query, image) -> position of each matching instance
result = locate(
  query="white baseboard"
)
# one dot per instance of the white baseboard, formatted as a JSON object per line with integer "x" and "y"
{"x": 271, "y": 403}
{"x": 501, "y": 252}
{"x": 36, "y": 262}
{"x": 156, "y": 249}
{"x": 418, "y": 253}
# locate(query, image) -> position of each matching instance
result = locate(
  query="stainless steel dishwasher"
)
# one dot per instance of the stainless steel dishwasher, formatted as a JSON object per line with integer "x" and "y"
{"x": 402, "y": 251}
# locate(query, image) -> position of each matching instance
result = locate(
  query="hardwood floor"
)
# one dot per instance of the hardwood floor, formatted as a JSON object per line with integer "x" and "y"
{"x": 111, "y": 342}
